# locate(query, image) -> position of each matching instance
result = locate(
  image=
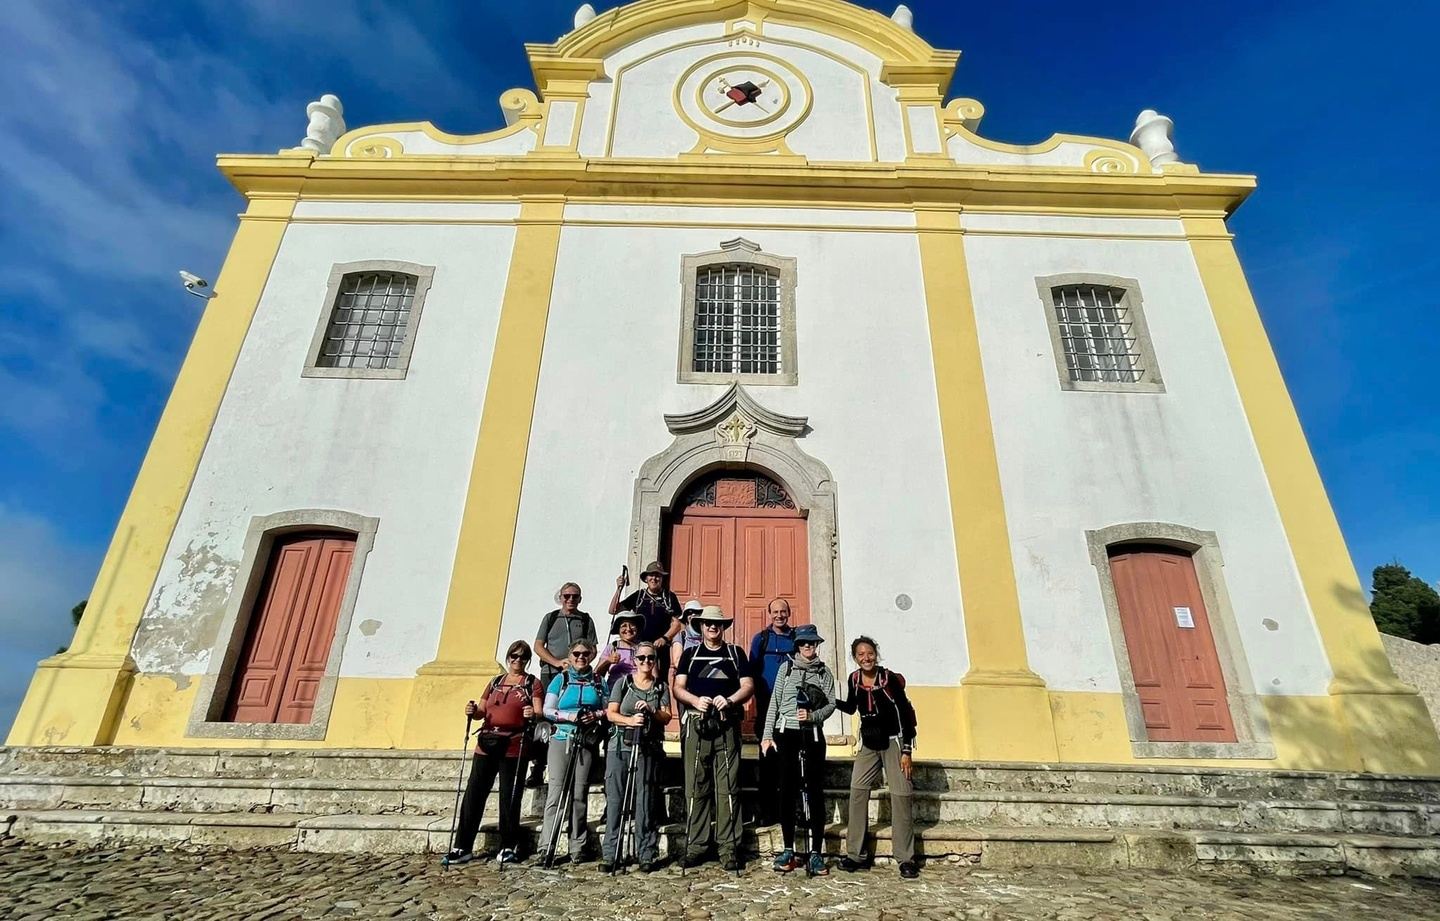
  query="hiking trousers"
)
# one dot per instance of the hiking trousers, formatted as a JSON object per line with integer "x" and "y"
{"x": 646, "y": 791}
{"x": 794, "y": 744}
{"x": 484, "y": 771}
{"x": 864, "y": 777}
{"x": 712, "y": 790}
{"x": 579, "y": 788}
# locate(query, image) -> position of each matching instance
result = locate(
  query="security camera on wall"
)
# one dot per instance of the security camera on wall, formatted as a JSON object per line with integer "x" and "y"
{"x": 196, "y": 285}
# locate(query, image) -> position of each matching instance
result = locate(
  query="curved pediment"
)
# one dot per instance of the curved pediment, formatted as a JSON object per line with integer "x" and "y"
{"x": 737, "y": 409}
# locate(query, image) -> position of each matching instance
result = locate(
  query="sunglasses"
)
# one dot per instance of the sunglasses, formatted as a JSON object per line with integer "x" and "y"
{"x": 581, "y": 654}
{"x": 518, "y": 655}
{"x": 807, "y": 643}
{"x": 644, "y": 658}
{"x": 570, "y": 596}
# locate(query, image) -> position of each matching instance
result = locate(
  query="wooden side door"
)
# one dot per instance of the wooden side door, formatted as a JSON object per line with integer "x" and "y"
{"x": 1172, "y": 651}
{"x": 293, "y": 625}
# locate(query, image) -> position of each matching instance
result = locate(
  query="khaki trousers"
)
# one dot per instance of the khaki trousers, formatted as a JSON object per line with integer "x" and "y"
{"x": 712, "y": 789}
{"x": 864, "y": 777}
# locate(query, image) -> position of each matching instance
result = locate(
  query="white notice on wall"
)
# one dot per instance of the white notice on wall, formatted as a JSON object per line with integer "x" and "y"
{"x": 1184, "y": 618}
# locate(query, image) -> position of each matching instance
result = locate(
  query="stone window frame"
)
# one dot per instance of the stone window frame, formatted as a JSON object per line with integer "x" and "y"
{"x": 424, "y": 277}
{"x": 738, "y": 251}
{"x": 207, "y": 716}
{"x": 1252, "y": 727}
{"x": 1152, "y": 380}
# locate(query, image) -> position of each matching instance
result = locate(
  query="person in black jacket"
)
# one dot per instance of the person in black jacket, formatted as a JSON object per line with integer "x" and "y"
{"x": 887, "y": 735}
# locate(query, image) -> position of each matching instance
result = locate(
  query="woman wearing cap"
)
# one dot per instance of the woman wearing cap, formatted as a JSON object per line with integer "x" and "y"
{"x": 656, "y": 604}
{"x": 887, "y": 735}
{"x": 802, "y": 699}
{"x": 687, "y": 638}
{"x": 638, "y": 710}
{"x": 617, "y": 659}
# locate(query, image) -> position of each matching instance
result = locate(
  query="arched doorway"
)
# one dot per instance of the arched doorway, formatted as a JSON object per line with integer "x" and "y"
{"x": 736, "y": 539}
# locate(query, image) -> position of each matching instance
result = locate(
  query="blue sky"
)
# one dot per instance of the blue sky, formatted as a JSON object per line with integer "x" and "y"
{"x": 107, "y": 186}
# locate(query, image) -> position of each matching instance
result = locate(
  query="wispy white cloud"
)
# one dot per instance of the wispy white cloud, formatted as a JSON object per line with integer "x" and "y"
{"x": 43, "y": 576}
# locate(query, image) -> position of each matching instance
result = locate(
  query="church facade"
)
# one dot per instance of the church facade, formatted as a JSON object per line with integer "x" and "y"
{"x": 738, "y": 288}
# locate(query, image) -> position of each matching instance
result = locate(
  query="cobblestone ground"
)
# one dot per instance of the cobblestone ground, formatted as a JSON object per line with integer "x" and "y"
{"x": 136, "y": 883}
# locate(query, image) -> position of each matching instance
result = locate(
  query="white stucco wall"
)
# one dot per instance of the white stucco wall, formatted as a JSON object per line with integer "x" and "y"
{"x": 632, "y": 112}
{"x": 399, "y": 451}
{"x": 1072, "y": 461}
{"x": 866, "y": 383}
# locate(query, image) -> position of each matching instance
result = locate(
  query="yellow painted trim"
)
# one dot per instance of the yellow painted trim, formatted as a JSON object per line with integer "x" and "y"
{"x": 74, "y": 697}
{"x": 616, "y": 28}
{"x": 740, "y": 180}
{"x": 1007, "y": 713}
{"x": 366, "y": 713}
{"x": 1326, "y": 571}
{"x": 1363, "y": 678}
{"x": 525, "y": 109}
{"x": 470, "y": 631}
{"x": 865, "y": 80}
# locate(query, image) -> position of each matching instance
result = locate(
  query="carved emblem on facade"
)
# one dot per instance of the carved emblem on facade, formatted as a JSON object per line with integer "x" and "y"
{"x": 734, "y": 436}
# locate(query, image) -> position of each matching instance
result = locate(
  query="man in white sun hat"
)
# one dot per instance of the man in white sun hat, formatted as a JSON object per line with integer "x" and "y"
{"x": 713, "y": 681}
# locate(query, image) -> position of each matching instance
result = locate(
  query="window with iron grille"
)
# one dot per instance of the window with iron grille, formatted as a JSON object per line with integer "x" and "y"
{"x": 1097, "y": 326}
{"x": 738, "y": 321}
{"x": 370, "y": 323}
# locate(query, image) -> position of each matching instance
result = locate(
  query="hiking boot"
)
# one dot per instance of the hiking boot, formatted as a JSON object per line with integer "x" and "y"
{"x": 649, "y": 866}
{"x": 507, "y": 855}
{"x": 732, "y": 864}
{"x": 456, "y": 857}
{"x": 536, "y": 779}
{"x": 909, "y": 870}
{"x": 692, "y": 861}
{"x": 785, "y": 861}
{"x": 853, "y": 866}
{"x": 607, "y": 867}
{"x": 817, "y": 866}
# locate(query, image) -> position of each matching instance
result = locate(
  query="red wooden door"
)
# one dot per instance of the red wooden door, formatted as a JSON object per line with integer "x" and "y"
{"x": 1172, "y": 651}
{"x": 739, "y": 542}
{"x": 291, "y": 629}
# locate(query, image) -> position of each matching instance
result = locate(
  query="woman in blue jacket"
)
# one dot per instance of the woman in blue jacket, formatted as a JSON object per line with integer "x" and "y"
{"x": 575, "y": 703}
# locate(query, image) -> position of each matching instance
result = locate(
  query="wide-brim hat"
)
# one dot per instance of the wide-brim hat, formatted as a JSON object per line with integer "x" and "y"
{"x": 712, "y": 614}
{"x": 626, "y": 617}
{"x": 655, "y": 568}
{"x": 807, "y": 633}
{"x": 691, "y": 607}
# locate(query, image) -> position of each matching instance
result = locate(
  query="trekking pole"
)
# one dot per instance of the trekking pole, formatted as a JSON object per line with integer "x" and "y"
{"x": 627, "y": 807}
{"x": 517, "y": 787}
{"x": 567, "y": 777}
{"x": 459, "y": 782}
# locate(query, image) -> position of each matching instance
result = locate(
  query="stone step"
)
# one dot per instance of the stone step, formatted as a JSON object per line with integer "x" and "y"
{"x": 990, "y": 847}
{"x": 982, "y": 808}
{"x": 369, "y": 765}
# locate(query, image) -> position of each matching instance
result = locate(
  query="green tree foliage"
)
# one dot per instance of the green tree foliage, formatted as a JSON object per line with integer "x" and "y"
{"x": 1404, "y": 605}
{"x": 76, "y": 613}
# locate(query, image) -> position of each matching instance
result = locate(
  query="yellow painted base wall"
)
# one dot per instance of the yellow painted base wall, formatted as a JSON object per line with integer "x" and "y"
{"x": 367, "y": 713}
{"x": 1089, "y": 728}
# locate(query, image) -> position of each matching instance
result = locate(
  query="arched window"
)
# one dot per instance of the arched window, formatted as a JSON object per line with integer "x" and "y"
{"x": 738, "y": 321}
{"x": 369, "y": 323}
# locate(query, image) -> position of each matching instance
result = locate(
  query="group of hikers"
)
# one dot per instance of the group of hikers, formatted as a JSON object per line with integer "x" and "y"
{"x": 661, "y": 660}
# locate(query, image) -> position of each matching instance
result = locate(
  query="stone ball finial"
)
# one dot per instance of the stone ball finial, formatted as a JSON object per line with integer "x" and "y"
{"x": 327, "y": 123}
{"x": 1153, "y": 135}
{"x": 584, "y": 14}
{"x": 903, "y": 17}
